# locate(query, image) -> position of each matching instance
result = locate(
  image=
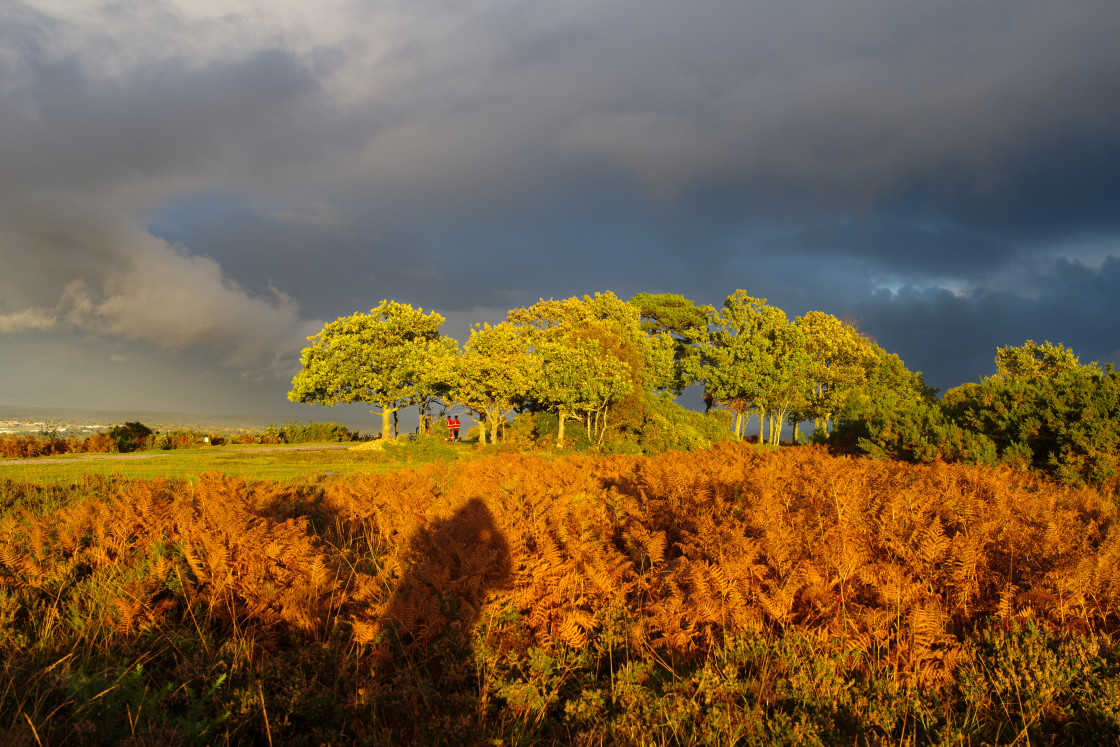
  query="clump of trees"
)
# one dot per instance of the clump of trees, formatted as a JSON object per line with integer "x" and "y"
{"x": 1042, "y": 410}
{"x": 605, "y": 366}
{"x": 602, "y": 371}
{"x": 586, "y": 360}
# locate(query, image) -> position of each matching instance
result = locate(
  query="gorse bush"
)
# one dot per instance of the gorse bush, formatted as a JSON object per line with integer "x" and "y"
{"x": 1042, "y": 411}
{"x": 294, "y": 433}
{"x": 723, "y": 595}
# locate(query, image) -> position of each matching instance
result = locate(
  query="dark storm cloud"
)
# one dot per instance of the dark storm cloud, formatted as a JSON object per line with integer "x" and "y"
{"x": 926, "y": 166}
{"x": 952, "y": 338}
{"x": 62, "y": 132}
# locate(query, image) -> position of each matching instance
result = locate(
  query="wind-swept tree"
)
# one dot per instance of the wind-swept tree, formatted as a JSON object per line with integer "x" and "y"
{"x": 686, "y": 322}
{"x": 494, "y": 374}
{"x": 842, "y": 359}
{"x": 740, "y": 369}
{"x": 621, "y": 361}
{"x": 381, "y": 358}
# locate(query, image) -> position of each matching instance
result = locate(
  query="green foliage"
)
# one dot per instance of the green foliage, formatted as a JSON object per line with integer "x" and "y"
{"x": 384, "y": 358}
{"x": 1033, "y": 361}
{"x": 1024, "y": 683}
{"x": 668, "y": 426}
{"x": 493, "y": 375}
{"x": 757, "y": 361}
{"x": 688, "y": 326}
{"x": 131, "y": 436}
{"x": 103, "y": 701}
{"x": 294, "y": 433}
{"x": 595, "y": 364}
{"x": 896, "y": 415}
{"x": 425, "y": 449}
{"x": 1045, "y": 411}
{"x": 546, "y": 424}
{"x": 841, "y": 360}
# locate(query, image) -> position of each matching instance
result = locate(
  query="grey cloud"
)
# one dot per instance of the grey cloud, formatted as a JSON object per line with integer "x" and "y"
{"x": 158, "y": 293}
{"x": 953, "y": 337}
{"x": 172, "y": 124}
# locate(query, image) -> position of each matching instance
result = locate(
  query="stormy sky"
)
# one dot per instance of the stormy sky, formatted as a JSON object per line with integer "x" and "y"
{"x": 189, "y": 189}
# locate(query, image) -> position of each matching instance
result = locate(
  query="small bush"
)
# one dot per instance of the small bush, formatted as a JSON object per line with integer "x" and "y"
{"x": 668, "y": 426}
{"x": 132, "y": 436}
{"x": 294, "y": 433}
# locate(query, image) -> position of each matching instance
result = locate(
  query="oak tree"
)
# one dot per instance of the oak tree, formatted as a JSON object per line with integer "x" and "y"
{"x": 382, "y": 358}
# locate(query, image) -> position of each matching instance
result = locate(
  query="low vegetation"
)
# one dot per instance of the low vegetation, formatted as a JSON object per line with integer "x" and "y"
{"x": 728, "y": 595}
{"x": 135, "y": 436}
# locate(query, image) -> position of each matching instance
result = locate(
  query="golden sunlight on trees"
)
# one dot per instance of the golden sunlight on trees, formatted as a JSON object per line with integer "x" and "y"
{"x": 612, "y": 366}
{"x": 1034, "y": 361}
{"x": 577, "y": 379}
{"x": 1043, "y": 410}
{"x": 620, "y": 361}
{"x": 494, "y": 373}
{"x": 756, "y": 361}
{"x": 686, "y": 323}
{"x": 842, "y": 359}
{"x": 383, "y": 358}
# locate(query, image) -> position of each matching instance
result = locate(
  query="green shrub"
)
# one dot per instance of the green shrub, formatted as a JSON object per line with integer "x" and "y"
{"x": 668, "y": 426}
{"x": 132, "y": 436}
{"x": 294, "y": 433}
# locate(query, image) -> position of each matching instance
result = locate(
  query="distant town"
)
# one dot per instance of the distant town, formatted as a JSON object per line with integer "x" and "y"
{"x": 50, "y": 427}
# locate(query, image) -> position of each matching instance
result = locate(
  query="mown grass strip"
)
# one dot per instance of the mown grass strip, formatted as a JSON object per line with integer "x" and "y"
{"x": 283, "y": 463}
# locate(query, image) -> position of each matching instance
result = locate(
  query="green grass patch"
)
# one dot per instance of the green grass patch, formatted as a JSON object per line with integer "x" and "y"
{"x": 279, "y": 463}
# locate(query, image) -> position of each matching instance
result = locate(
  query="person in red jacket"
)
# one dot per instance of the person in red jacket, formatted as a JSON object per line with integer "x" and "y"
{"x": 455, "y": 429}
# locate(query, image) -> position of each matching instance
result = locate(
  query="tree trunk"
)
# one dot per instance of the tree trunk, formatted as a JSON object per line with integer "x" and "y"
{"x": 560, "y": 434}
{"x": 494, "y": 429}
{"x": 601, "y": 428}
{"x": 776, "y": 422}
{"x": 795, "y": 434}
{"x": 387, "y": 422}
{"x": 738, "y": 423}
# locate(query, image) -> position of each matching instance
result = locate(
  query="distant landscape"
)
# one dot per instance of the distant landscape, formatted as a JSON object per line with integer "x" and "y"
{"x": 79, "y": 423}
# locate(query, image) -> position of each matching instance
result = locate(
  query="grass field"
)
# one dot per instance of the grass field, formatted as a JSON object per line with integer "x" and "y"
{"x": 281, "y": 463}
